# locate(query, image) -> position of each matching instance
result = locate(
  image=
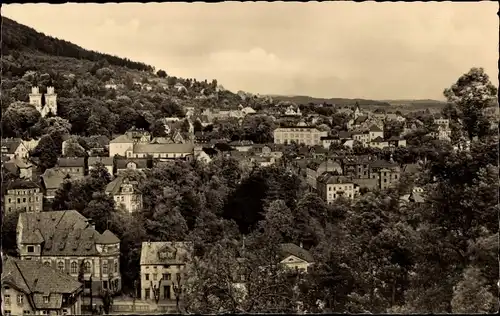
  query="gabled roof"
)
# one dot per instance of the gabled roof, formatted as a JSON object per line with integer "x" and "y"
{"x": 108, "y": 238}
{"x": 375, "y": 128}
{"x": 333, "y": 178}
{"x": 141, "y": 163}
{"x": 71, "y": 162}
{"x": 377, "y": 139}
{"x": 345, "y": 134}
{"x": 289, "y": 249}
{"x": 21, "y": 184}
{"x": 121, "y": 139}
{"x": 383, "y": 164}
{"x": 33, "y": 277}
{"x": 360, "y": 119}
{"x": 11, "y": 144}
{"x": 52, "y": 178}
{"x": 163, "y": 148}
{"x": 64, "y": 233}
{"x": 150, "y": 252}
{"x": 107, "y": 161}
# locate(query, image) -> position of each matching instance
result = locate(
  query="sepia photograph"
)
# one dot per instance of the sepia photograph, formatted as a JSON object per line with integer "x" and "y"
{"x": 332, "y": 157}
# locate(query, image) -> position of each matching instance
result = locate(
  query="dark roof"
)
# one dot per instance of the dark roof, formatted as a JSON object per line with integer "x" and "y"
{"x": 52, "y": 178}
{"x": 360, "y": 119}
{"x": 71, "y": 162}
{"x": 108, "y": 238}
{"x": 33, "y": 277}
{"x": 142, "y": 163}
{"x": 378, "y": 139}
{"x": 375, "y": 128}
{"x": 394, "y": 138}
{"x": 333, "y": 178}
{"x": 383, "y": 164}
{"x": 241, "y": 143}
{"x": 114, "y": 186}
{"x": 64, "y": 233}
{"x": 21, "y": 184}
{"x": 107, "y": 161}
{"x": 294, "y": 250}
{"x": 150, "y": 252}
{"x": 345, "y": 134}
{"x": 10, "y": 144}
{"x": 211, "y": 152}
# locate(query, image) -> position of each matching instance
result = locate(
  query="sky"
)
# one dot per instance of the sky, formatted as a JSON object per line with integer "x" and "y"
{"x": 322, "y": 49}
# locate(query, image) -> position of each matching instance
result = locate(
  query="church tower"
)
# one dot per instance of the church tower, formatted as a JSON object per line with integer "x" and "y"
{"x": 357, "y": 111}
{"x": 36, "y": 98}
{"x": 50, "y": 101}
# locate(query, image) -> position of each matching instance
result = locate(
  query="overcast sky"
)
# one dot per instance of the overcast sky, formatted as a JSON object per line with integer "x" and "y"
{"x": 337, "y": 49}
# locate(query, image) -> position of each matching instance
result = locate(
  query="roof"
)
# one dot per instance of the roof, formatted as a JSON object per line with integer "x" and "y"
{"x": 121, "y": 139}
{"x": 21, "y": 184}
{"x": 383, "y": 164}
{"x": 108, "y": 238}
{"x": 377, "y": 139}
{"x": 150, "y": 252}
{"x": 114, "y": 186}
{"x": 107, "y": 161}
{"x": 64, "y": 233}
{"x": 345, "y": 134}
{"x": 163, "y": 148}
{"x": 71, "y": 162}
{"x": 52, "y": 178}
{"x": 20, "y": 163}
{"x": 294, "y": 250}
{"x": 375, "y": 128}
{"x": 394, "y": 138}
{"x": 142, "y": 163}
{"x": 360, "y": 119}
{"x": 11, "y": 144}
{"x": 33, "y": 277}
{"x": 333, "y": 178}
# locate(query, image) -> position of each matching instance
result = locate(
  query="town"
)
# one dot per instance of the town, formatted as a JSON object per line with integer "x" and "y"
{"x": 128, "y": 190}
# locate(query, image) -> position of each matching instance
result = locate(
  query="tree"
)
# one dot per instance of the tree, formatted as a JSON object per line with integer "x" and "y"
{"x": 161, "y": 73}
{"x": 472, "y": 94}
{"x": 18, "y": 119}
{"x": 471, "y": 294}
{"x": 9, "y": 225}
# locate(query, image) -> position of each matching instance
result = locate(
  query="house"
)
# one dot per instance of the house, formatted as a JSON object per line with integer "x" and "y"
{"x": 23, "y": 195}
{"x": 387, "y": 173}
{"x": 19, "y": 167}
{"x": 122, "y": 143}
{"x": 295, "y": 257}
{"x": 375, "y": 132}
{"x": 241, "y": 145}
{"x": 327, "y": 141}
{"x": 162, "y": 151}
{"x": 51, "y": 180}
{"x": 415, "y": 196}
{"x": 357, "y": 122}
{"x": 125, "y": 194}
{"x": 73, "y": 166}
{"x": 394, "y": 117}
{"x": 316, "y": 168}
{"x": 205, "y": 154}
{"x": 31, "y": 144}
{"x": 331, "y": 186}
{"x": 300, "y": 134}
{"x": 163, "y": 268}
{"x": 361, "y": 136}
{"x": 292, "y": 111}
{"x": 132, "y": 164}
{"x": 356, "y": 167}
{"x": 14, "y": 148}
{"x": 66, "y": 241}
{"x": 98, "y": 145}
{"x": 396, "y": 141}
{"x": 107, "y": 162}
{"x": 268, "y": 150}
{"x": 31, "y": 288}
{"x": 379, "y": 143}
{"x": 248, "y": 110}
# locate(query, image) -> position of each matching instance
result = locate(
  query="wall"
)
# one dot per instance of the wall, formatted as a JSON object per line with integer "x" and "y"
{"x": 13, "y": 307}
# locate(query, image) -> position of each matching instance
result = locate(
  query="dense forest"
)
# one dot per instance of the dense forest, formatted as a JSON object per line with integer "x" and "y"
{"x": 373, "y": 254}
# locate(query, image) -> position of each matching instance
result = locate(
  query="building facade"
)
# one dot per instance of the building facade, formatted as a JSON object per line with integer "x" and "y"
{"x": 125, "y": 194}
{"x": 306, "y": 135}
{"x": 44, "y": 103}
{"x": 24, "y": 195}
{"x": 331, "y": 186}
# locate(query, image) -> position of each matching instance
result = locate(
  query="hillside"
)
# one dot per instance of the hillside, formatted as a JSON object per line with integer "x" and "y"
{"x": 336, "y": 101}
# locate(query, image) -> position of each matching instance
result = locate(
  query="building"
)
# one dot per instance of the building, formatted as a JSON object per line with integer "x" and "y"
{"x": 375, "y": 132}
{"x": 361, "y": 136}
{"x": 122, "y": 143}
{"x": 44, "y": 103}
{"x": 19, "y": 167}
{"x": 331, "y": 186}
{"x": 162, "y": 151}
{"x": 379, "y": 143}
{"x": 14, "y": 148}
{"x": 125, "y": 194}
{"x": 66, "y": 241}
{"x": 316, "y": 168}
{"x": 72, "y": 166}
{"x": 31, "y": 288}
{"x": 107, "y": 162}
{"x": 387, "y": 173}
{"x": 163, "y": 266}
{"x": 23, "y": 195}
{"x": 306, "y": 135}
{"x": 396, "y": 141}
{"x": 295, "y": 257}
{"x": 131, "y": 164}
{"x": 51, "y": 180}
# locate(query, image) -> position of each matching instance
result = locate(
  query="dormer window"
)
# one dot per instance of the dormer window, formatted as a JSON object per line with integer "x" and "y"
{"x": 31, "y": 249}
{"x": 46, "y": 299}
{"x": 167, "y": 255}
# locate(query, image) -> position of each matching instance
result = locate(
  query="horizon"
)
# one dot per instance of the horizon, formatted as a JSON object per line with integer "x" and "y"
{"x": 256, "y": 48}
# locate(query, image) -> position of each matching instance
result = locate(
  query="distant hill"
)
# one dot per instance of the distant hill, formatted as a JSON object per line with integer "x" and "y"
{"x": 336, "y": 101}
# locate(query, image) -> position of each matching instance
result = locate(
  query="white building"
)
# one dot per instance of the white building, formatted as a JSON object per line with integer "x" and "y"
{"x": 50, "y": 98}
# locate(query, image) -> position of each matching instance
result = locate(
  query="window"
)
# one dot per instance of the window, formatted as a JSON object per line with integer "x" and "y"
{"x": 147, "y": 276}
{"x": 24, "y": 200}
{"x": 105, "y": 284}
{"x": 31, "y": 249}
{"x": 60, "y": 266}
{"x": 166, "y": 276}
{"x": 20, "y": 299}
{"x": 45, "y": 312}
{"x": 155, "y": 276}
{"x": 7, "y": 312}
{"x": 88, "y": 267}
{"x": 105, "y": 267}
{"x": 7, "y": 299}
{"x": 45, "y": 298}
{"x": 74, "y": 267}
{"x": 147, "y": 293}
{"x": 116, "y": 266}
{"x": 87, "y": 284}
{"x": 26, "y": 312}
